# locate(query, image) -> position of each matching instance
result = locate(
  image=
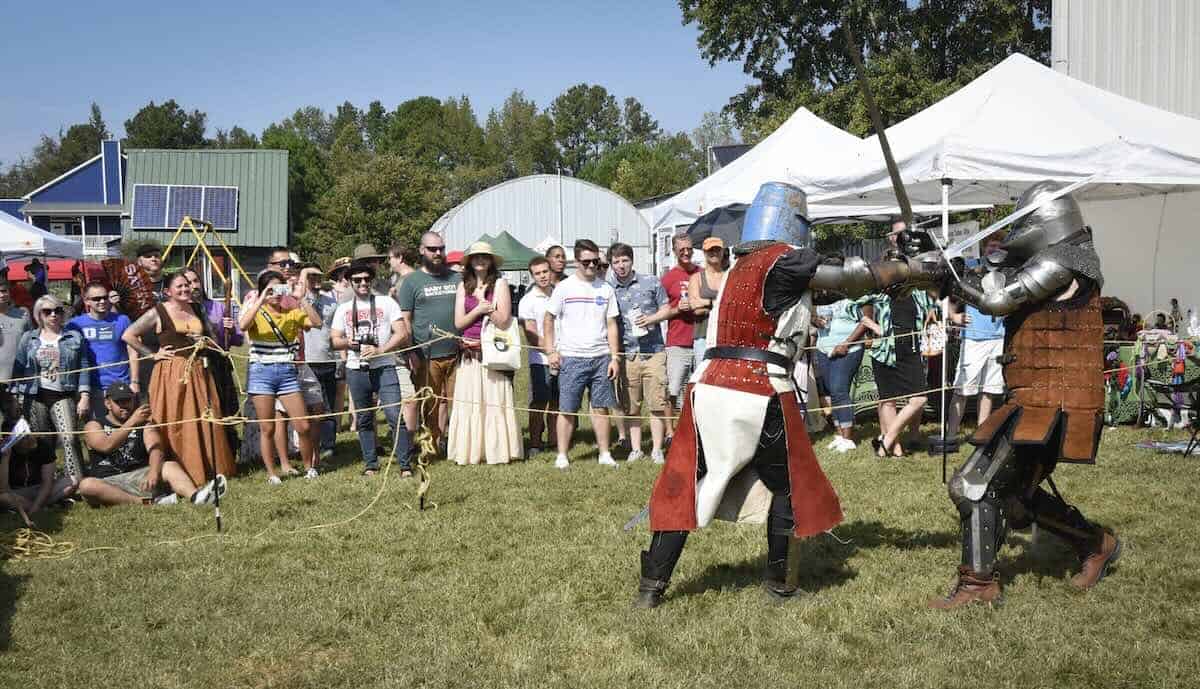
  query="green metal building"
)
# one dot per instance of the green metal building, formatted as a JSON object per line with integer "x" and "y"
{"x": 244, "y": 193}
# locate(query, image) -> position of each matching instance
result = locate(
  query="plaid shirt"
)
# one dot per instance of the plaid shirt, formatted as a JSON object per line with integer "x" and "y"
{"x": 884, "y": 348}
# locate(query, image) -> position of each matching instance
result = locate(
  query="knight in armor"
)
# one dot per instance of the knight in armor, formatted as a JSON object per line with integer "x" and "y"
{"x": 741, "y": 451}
{"x": 1046, "y": 283}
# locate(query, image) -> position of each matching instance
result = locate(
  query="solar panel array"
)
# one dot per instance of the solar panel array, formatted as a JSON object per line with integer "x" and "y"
{"x": 163, "y": 206}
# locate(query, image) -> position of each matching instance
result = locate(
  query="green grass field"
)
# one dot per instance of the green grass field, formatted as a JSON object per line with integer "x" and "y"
{"x": 523, "y": 577}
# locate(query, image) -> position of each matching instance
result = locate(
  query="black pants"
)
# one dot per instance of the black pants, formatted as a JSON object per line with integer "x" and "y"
{"x": 770, "y": 462}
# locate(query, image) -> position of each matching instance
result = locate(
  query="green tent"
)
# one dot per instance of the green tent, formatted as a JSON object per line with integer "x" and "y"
{"x": 516, "y": 255}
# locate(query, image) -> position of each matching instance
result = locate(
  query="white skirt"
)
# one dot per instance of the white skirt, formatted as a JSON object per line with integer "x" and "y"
{"x": 483, "y": 422}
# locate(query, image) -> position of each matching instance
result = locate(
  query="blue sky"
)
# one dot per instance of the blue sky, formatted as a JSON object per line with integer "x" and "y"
{"x": 252, "y": 63}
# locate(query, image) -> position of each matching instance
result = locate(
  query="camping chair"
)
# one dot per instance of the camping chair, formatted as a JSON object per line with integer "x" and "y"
{"x": 1190, "y": 390}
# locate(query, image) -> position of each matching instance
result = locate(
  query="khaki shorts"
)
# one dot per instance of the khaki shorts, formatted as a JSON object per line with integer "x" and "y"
{"x": 407, "y": 390}
{"x": 643, "y": 378}
{"x": 131, "y": 482}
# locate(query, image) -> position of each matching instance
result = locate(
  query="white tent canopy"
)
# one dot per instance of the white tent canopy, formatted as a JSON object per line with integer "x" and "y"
{"x": 1021, "y": 122}
{"x": 795, "y": 150}
{"x": 18, "y": 238}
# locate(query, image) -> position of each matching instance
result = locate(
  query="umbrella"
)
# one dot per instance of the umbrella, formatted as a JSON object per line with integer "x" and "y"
{"x": 724, "y": 222}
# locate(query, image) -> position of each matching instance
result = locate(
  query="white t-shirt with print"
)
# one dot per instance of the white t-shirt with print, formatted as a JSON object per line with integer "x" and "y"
{"x": 354, "y": 317}
{"x": 582, "y": 309}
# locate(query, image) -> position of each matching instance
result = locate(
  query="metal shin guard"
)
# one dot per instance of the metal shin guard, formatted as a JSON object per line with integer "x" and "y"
{"x": 1053, "y": 514}
{"x": 983, "y": 531}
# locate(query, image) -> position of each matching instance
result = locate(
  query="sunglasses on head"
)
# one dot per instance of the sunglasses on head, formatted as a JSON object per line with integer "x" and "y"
{"x": 56, "y": 311}
{"x": 589, "y": 261}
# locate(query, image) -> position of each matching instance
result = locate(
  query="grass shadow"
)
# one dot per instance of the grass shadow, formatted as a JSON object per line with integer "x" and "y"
{"x": 1047, "y": 557}
{"x": 48, "y": 521}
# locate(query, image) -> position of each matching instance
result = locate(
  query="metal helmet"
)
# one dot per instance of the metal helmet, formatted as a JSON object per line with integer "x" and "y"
{"x": 1050, "y": 224}
{"x": 779, "y": 213}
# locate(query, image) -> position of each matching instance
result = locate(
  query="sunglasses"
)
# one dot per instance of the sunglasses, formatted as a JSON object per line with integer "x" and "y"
{"x": 434, "y": 249}
{"x": 57, "y": 311}
{"x": 361, "y": 281}
{"x": 589, "y": 261}
{"x": 284, "y": 264}
{"x": 98, "y": 299}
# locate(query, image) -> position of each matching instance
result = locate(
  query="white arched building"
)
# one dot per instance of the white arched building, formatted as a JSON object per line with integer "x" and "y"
{"x": 541, "y": 210}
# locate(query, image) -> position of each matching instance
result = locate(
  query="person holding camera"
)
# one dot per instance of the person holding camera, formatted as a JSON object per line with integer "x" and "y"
{"x": 368, "y": 327}
{"x": 274, "y": 334}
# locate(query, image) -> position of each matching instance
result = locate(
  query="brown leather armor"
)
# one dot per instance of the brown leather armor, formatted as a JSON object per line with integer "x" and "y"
{"x": 1054, "y": 367}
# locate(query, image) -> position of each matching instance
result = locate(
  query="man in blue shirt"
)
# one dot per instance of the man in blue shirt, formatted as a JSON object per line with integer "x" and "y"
{"x": 643, "y": 304}
{"x": 102, "y": 330}
{"x": 979, "y": 369}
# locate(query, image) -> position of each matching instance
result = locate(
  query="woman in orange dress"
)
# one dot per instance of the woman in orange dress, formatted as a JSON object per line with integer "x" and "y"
{"x": 181, "y": 386}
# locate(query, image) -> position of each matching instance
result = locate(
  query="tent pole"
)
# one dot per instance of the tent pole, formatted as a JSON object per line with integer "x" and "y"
{"x": 946, "y": 184}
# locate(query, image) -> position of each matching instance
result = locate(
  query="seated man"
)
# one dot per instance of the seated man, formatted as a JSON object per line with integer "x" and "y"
{"x": 27, "y": 482}
{"x": 127, "y": 465}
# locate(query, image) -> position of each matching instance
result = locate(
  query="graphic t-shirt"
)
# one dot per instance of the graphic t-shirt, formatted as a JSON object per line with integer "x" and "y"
{"x": 680, "y": 329}
{"x": 430, "y": 300}
{"x": 103, "y": 339}
{"x": 582, "y": 310}
{"x": 47, "y": 358}
{"x": 129, "y": 456}
{"x": 358, "y": 321}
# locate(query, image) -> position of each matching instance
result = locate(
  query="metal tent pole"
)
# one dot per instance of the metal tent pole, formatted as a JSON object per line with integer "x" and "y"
{"x": 946, "y": 183}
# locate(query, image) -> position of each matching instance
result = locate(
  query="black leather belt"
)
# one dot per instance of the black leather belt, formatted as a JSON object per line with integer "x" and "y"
{"x": 749, "y": 354}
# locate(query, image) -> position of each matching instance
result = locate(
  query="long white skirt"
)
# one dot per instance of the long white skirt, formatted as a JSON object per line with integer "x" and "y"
{"x": 483, "y": 422}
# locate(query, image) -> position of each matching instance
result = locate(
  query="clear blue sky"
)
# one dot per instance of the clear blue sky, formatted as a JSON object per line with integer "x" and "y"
{"x": 251, "y": 63}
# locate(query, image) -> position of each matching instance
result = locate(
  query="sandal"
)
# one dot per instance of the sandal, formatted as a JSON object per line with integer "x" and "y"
{"x": 370, "y": 472}
{"x": 291, "y": 471}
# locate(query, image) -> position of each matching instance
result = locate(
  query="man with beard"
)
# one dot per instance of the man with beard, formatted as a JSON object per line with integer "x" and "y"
{"x": 427, "y": 304}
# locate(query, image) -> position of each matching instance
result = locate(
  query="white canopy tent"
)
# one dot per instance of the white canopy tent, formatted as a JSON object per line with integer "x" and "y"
{"x": 19, "y": 238}
{"x": 1021, "y": 122}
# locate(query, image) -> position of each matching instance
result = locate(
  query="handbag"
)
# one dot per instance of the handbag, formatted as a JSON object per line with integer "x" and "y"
{"x": 501, "y": 348}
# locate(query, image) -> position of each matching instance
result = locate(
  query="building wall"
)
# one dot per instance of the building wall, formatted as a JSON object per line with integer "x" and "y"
{"x": 1147, "y": 50}
{"x": 85, "y": 185}
{"x": 12, "y": 207}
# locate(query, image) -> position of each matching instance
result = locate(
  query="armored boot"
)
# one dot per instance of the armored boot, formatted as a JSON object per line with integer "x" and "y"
{"x": 657, "y": 565}
{"x": 1096, "y": 564}
{"x": 971, "y": 588}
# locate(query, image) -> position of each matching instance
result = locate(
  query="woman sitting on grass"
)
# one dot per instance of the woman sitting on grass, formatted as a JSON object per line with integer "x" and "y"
{"x": 274, "y": 334}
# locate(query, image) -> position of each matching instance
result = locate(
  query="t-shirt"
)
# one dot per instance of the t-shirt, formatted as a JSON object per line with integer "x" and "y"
{"x": 840, "y": 322}
{"x": 129, "y": 456}
{"x": 265, "y": 345}
{"x": 47, "y": 358}
{"x": 354, "y": 318}
{"x": 13, "y": 324}
{"x": 533, "y": 308}
{"x": 982, "y": 326}
{"x": 430, "y": 301}
{"x": 582, "y": 310}
{"x": 680, "y": 328}
{"x": 25, "y": 466}
{"x": 103, "y": 339}
{"x": 317, "y": 344}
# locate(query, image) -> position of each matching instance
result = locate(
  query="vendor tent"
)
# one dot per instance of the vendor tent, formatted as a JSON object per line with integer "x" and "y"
{"x": 1021, "y": 122}
{"x": 18, "y": 238}
{"x": 516, "y": 255}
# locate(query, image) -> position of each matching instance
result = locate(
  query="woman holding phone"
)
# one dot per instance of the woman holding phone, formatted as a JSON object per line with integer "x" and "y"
{"x": 274, "y": 334}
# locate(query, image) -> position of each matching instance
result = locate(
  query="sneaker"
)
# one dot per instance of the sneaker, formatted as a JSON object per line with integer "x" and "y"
{"x": 209, "y": 492}
{"x": 560, "y": 462}
{"x": 274, "y": 481}
{"x": 835, "y": 443}
{"x": 658, "y": 457}
{"x": 311, "y": 473}
{"x": 846, "y": 445}
{"x": 635, "y": 456}
{"x": 168, "y": 499}
{"x": 607, "y": 460}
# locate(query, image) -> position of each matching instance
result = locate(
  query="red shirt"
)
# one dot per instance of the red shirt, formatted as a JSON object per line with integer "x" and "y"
{"x": 680, "y": 328}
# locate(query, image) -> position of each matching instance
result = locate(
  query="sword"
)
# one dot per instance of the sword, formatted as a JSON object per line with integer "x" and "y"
{"x": 637, "y": 519}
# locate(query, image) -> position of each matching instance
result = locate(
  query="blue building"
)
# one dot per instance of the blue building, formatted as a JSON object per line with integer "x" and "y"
{"x": 85, "y": 202}
{"x": 12, "y": 207}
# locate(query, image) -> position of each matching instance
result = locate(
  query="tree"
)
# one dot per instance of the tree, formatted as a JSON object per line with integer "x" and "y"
{"x": 375, "y": 124}
{"x": 669, "y": 165}
{"x": 521, "y": 139}
{"x": 310, "y": 124}
{"x": 389, "y": 199}
{"x": 165, "y": 126}
{"x": 716, "y": 129}
{"x": 308, "y": 172}
{"x": 798, "y": 50}
{"x": 234, "y": 138}
{"x": 637, "y": 124}
{"x": 587, "y": 122}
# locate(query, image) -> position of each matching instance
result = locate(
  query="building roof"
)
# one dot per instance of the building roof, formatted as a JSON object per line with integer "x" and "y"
{"x": 63, "y": 208}
{"x": 261, "y": 176}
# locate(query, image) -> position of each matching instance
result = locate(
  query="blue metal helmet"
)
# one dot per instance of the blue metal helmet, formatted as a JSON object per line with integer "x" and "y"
{"x": 779, "y": 214}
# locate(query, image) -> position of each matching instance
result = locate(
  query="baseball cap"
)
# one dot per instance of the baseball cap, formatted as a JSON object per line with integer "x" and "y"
{"x": 149, "y": 249}
{"x": 119, "y": 392}
{"x": 712, "y": 243}
{"x": 456, "y": 256}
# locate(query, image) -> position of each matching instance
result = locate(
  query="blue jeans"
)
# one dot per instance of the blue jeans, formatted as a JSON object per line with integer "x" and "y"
{"x": 327, "y": 376}
{"x": 365, "y": 386}
{"x": 837, "y": 374}
{"x": 276, "y": 378}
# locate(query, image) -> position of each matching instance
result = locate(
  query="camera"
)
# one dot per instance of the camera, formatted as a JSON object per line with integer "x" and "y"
{"x": 279, "y": 290}
{"x": 364, "y": 335}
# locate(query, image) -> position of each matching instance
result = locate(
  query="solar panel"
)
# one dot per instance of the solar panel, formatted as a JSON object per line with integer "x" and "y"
{"x": 150, "y": 206}
{"x": 184, "y": 201}
{"x": 221, "y": 206}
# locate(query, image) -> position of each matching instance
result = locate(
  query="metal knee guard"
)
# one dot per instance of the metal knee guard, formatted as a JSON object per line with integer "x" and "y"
{"x": 978, "y": 490}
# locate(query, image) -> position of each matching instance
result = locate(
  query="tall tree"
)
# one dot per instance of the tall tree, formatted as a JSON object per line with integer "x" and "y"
{"x": 668, "y": 165}
{"x": 310, "y": 123}
{"x": 587, "y": 122}
{"x": 234, "y": 138}
{"x": 165, "y": 126}
{"x": 308, "y": 172}
{"x": 636, "y": 123}
{"x": 520, "y": 138}
{"x": 716, "y": 129}
{"x": 375, "y": 124}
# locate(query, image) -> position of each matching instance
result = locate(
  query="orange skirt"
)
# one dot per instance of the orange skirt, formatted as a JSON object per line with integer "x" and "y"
{"x": 202, "y": 447}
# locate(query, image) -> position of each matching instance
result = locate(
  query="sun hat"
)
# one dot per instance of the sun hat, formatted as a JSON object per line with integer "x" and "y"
{"x": 338, "y": 267}
{"x": 481, "y": 248}
{"x": 366, "y": 252}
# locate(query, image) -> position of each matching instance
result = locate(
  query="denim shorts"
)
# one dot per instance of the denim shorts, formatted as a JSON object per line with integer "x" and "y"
{"x": 272, "y": 379}
{"x": 543, "y": 386}
{"x": 579, "y": 373}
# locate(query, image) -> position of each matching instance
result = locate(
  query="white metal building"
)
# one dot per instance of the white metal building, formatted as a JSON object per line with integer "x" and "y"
{"x": 1147, "y": 50}
{"x": 540, "y": 210}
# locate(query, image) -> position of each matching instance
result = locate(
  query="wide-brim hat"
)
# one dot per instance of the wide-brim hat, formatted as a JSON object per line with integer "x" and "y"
{"x": 339, "y": 266}
{"x": 366, "y": 252}
{"x": 480, "y": 249}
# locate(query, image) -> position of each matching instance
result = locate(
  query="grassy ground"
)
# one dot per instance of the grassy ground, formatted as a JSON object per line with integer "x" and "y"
{"x": 523, "y": 577}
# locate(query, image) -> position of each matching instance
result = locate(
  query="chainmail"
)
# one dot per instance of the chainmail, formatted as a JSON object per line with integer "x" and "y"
{"x": 1078, "y": 254}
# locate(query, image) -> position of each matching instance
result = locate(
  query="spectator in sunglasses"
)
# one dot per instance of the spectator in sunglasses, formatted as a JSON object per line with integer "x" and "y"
{"x": 102, "y": 330}
{"x": 55, "y": 393}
